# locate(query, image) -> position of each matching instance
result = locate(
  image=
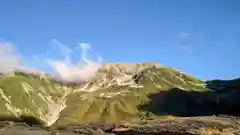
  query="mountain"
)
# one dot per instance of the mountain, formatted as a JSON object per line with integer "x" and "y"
{"x": 118, "y": 92}
{"x": 228, "y": 95}
{"x": 224, "y": 85}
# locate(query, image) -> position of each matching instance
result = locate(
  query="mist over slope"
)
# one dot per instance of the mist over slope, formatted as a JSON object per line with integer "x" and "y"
{"x": 62, "y": 69}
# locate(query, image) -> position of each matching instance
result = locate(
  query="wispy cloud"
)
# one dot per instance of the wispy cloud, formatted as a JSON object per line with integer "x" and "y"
{"x": 64, "y": 48}
{"x": 63, "y": 69}
{"x": 186, "y": 41}
{"x": 184, "y": 34}
{"x": 188, "y": 49}
{"x": 11, "y": 59}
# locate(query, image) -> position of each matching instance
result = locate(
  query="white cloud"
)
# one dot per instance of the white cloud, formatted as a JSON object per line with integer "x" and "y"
{"x": 183, "y": 35}
{"x": 63, "y": 70}
{"x": 9, "y": 57}
{"x": 69, "y": 72}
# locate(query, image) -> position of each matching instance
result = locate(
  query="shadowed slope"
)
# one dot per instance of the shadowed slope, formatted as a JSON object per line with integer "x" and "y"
{"x": 224, "y": 85}
{"x": 179, "y": 102}
{"x": 223, "y": 98}
{"x": 29, "y": 120}
{"x": 228, "y": 95}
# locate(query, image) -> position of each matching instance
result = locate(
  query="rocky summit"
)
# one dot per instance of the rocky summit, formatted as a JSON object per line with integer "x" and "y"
{"x": 119, "y": 93}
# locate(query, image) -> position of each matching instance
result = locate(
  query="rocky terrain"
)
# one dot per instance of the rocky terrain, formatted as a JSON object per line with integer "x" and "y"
{"x": 211, "y": 125}
{"x": 143, "y": 98}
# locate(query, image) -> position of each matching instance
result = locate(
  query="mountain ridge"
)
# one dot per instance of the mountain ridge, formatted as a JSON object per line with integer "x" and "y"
{"x": 115, "y": 94}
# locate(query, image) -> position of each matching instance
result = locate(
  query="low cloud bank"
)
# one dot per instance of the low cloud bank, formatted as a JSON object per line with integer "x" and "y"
{"x": 63, "y": 70}
{"x": 9, "y": 59}
{"x": 69, "y": 72}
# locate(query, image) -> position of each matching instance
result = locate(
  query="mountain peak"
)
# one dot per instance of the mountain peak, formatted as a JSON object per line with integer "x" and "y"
{"x": 127, "y": 67}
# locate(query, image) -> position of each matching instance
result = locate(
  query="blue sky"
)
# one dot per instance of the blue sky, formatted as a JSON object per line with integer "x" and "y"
{"x": 199, "y": 37}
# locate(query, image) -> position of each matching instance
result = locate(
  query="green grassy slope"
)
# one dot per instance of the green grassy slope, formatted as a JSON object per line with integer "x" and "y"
{"x": 29, "y": 95}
